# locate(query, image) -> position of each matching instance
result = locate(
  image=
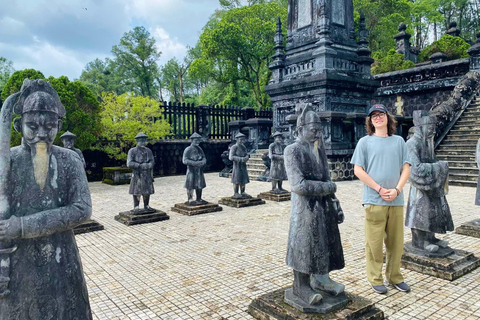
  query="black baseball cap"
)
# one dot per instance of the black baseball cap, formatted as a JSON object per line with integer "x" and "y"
{"x": 377, "y": 107}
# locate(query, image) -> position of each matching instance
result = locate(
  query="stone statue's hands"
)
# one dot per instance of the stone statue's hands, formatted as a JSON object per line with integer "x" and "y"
{"x": 245, "y": 159}
{"x": 145, "y": 166}
{"x": 330, "y": 187}
{"x": 341, "y": 217}
{"x": 10, "y": 229}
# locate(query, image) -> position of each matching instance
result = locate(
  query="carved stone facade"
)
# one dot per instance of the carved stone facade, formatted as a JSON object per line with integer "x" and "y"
{"x": 322, "y": 65}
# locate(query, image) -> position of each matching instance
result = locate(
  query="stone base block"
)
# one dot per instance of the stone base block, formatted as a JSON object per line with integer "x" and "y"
{"x": 272, "y": 196}
{"x": 272, "y": 306}
{"x": 134, "y": 217}
{"x": 240, "y": 203}
{"x": 88, "y": 226}
{"x": 449, "y": 268}
{"x": 225, "y": 174}
{"x": 194, "y": 210}
{"x": 470, "y": 228}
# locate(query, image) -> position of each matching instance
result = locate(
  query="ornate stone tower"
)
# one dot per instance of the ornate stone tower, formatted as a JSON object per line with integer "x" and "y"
{"x": 323, "y": 64}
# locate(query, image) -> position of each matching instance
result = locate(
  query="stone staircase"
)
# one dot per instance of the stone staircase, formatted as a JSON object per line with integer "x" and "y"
{"x": 459, "y": 147}
{"x": 255, "y": 164}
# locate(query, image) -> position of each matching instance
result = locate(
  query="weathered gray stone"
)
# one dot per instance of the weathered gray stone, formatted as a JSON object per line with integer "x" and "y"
{"x": 140, "y": 160}
{"x": 314, "y": 244}
{"x": 470, "y": 228}
{"x": 195, "y": 160}
{"x": 241, "y": 203}
{"x": 140, "y": 216}
{"x": 68, "y": 140}
{"x": 239, "y": 156}
{"x": 271, "y": 306}
{"x": 277, "y": 166}
{"x": 43, "y": 195}
{"x": 272, "y": 196}
{"x": 190, "y": 210}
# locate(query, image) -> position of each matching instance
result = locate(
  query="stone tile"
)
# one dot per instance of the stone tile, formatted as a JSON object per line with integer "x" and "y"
{"x": 211, "y": 266}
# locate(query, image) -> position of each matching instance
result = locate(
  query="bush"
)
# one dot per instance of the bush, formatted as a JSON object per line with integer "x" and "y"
{"x": 391, "y": 62}
{"x": 453, "y": 47}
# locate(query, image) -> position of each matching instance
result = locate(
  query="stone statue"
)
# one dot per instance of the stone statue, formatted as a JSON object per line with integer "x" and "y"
{"x": 68, "y": 140}
{"x": 195, "y": 160}
{"x": 140, "y": 160}
{"x": 314, "y": 245}
{"x": 427, "y": 210}
{"x": 277, "y": 167}
{"x": 477, "y": 160}
{"x": 239, "y": 155}
{"x": 47, "y": 195}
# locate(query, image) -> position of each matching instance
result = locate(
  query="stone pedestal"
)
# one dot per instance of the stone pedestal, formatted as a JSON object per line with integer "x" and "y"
{"x": 240, "y": 203}
{"x": 272, "y": 306}
{"x": 88, "y": 226}
{"x": 449, "y": 267}
{"x": 470, "y": 228}
{"x": 275, "y": 196}
{"x": 117, "y": 175}
{"x": 133, "y": 217}
{"x": 190, "y": 210}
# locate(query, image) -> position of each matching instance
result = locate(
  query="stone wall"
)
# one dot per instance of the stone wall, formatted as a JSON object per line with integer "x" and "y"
{"x": 168, "y": 158}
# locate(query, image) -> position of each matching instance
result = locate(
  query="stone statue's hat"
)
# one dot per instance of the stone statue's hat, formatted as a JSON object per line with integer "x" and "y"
{"x": 240, "y": 135}
{"x": 141, "y": 135}
{"x": 68, "y": 134}
{"x": 195, "y": 136}
{"x": 38, "y": 95}
{"x": 307, "y": 116}
{"x": 377, "y": 107}
{"x": 422, "y": 117}
{"x": 276, "y": 134}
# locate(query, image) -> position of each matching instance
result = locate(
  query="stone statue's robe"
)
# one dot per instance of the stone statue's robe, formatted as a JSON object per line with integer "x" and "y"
{"x": 427, "y": 207}
{"x": 194, "y": 159}
{"x": 239, "y": 173}
{"x": 314, "y": 244}
{"x": 142, "y": 176}
{"x": 277, "y": 167}
{"x": 80, "y": 154}
{"x": 46, "y": 273}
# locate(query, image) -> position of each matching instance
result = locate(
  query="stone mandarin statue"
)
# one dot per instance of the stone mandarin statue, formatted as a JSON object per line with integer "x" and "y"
{"x": 47, "y": 196}
{"x": 239, "y": 155}
{"x": 140, "y": 160}
{"x": 277, "y": 167}
{"x": 194, "y": 158}
{"x": 68, "y": 140}
{"x": 427, "y": 210}
{"x": 314, "y": 245}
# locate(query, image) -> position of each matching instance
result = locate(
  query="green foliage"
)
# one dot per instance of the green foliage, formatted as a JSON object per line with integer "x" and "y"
{"x": 102, "y": 76}
{"x": 136, "y": 61}
{"x": 391, "y": 62}
{"x": 6, "y": 69}
{"x": 239, "y": 44}
{"x": 14, "y": 83}
{"x": 124, "y": 116}
{"x": 453, "y": 47}
{"x": 81, "y": 105}
{"x": 83, "y": 111}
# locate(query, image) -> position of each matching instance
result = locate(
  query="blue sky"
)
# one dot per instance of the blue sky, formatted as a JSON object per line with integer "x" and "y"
{"x": 59, "y": 37}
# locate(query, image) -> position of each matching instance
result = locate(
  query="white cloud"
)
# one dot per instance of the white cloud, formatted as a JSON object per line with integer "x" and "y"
{"x": 170, "y": 47}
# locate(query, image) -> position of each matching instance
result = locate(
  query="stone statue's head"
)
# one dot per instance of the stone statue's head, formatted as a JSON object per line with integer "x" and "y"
{"x": 68, "y": 139}
{"x": 309, "y": 126}
{"x": 40, "y": 109}
{"x": 141, "y": 139}
{"x": 240, "y": 137}
{"x": 424, "y": 123}
{"x": 196, "y": 139}
{"x": 278, "y": 137}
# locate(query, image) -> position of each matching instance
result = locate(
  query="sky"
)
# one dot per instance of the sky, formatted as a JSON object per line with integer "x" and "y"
{"x": 59, "y": 37}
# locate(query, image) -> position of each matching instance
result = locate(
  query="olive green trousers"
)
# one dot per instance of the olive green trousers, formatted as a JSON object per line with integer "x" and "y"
{"x": 383, "y": 224}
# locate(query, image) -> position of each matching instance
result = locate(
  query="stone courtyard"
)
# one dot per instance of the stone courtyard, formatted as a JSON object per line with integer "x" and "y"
{"x": 211, "y": 266}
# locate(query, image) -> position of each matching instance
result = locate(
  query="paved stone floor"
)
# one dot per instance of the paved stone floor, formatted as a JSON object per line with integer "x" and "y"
{"x": 211, "y": 266}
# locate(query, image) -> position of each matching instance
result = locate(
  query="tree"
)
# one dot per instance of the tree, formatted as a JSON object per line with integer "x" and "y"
{"x": 6, "y": 69}
{"x": 102, "y": 76}
{"x": 391, "y": 62}
{"x": 452, "y": 47}
{"x": 124, "y": 116}
{"x": 136, "y": 58}
{"x": 81, "y": 104}
{"x": 240, "y": 45}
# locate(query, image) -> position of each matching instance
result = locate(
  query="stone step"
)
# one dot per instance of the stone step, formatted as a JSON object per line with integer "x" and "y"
{"x": 458, "y": 137}
{"x": 463, "y": 121}
{"x": 257, "y": 166}
{"x": 470, "y": 117}
{"x": 475, "y": 131}
{"x": 465, "y": 127}
{"x": 463, "y": 177}
{"x": 466, "y": 141}
{"x": 463, "y": 170}
{"x": 254, "y": 161}
{"x": 455, "y": 146}
{"x": 462, "y": 164}
{"x": 464, "y": 152}
{"x": 255, "y": 171}
{"x": 453, "y": 158}
{"x": 462, "y": 183}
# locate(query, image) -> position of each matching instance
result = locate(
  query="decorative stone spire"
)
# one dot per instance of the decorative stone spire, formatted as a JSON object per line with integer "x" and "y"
{"x": 403, "y": 44}
{"x": 279, "y": 58}
{"x": 474, "y": 53}
{"x": 452, "y": 29}
{"x": 363, "y": 49}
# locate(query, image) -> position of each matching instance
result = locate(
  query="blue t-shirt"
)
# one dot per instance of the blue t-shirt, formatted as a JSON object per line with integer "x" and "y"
{"x": 382, "y": 158}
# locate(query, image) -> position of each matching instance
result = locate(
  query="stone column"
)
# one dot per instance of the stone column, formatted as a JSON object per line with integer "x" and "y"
{"x": 403, "y": 43}
{"x": 474, "y": 53}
